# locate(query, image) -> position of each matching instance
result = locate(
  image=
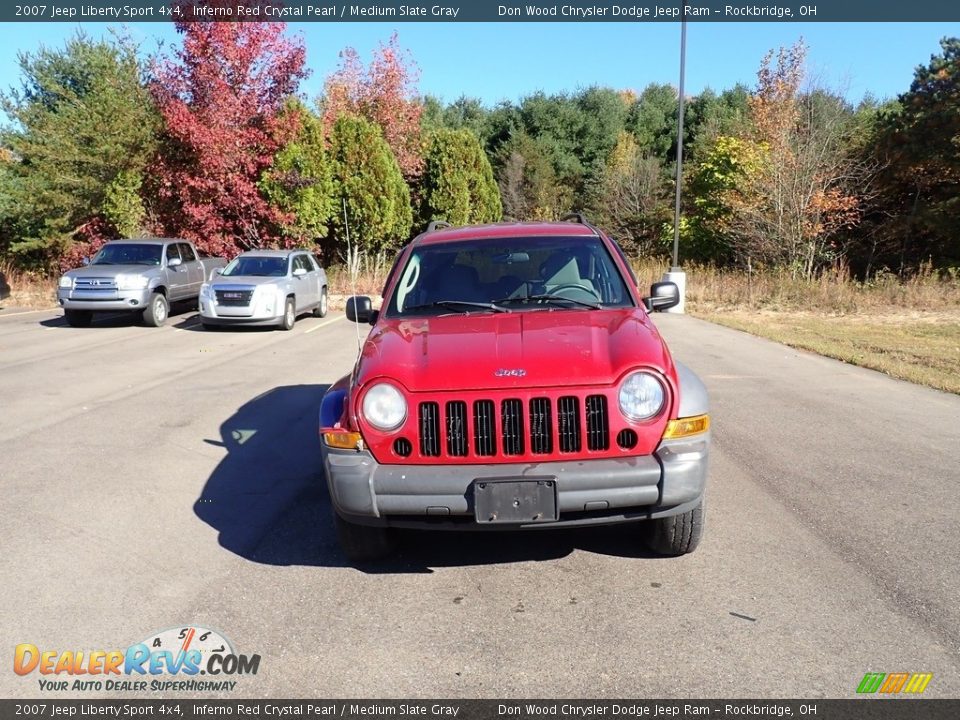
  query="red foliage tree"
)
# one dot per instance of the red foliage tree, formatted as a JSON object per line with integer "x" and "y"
{"x": 221, "y": 99}
{"x": 385, "y": 93}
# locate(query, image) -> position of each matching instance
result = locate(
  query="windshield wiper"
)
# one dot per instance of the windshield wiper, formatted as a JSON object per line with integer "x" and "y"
{"x": 451, "y": 304}
{"x": 102, "y": 262}
{"x": 551, "y": 299}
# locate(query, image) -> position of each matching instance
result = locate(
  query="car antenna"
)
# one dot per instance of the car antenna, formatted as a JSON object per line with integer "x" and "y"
{"x": 353, "y": 267}
{"x": 353, "y": 290}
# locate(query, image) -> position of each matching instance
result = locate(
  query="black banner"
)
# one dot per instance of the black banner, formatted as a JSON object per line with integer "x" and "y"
{"x": 479, "y": 11}
{"x": 855, "y": 709}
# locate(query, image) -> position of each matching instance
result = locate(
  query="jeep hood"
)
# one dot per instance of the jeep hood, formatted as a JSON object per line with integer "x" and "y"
{"x": 520, "y": 349}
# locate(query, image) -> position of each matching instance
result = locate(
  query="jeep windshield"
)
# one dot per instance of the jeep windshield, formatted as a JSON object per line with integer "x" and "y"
{"x": 128, "y": 254}
{"x": 256, "y": 267}
{"x": 508, "y": 275}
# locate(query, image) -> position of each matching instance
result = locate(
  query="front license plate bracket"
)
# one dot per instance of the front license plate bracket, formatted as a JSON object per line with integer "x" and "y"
{"x": 515, "y": 501}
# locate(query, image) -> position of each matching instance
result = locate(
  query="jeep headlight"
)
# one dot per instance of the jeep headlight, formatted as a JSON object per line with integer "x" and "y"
{"x": 131, "y": 282}
{"x": 641, "y": 396}
{"x": 384, "y": 407}
{"x": 66, "y": 282}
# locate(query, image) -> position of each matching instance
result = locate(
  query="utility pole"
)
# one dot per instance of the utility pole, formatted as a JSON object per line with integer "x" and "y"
{"x": 676, "y": 275}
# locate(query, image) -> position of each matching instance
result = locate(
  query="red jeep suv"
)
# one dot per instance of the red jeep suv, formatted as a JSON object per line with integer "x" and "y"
{"x": 513, "y": 379}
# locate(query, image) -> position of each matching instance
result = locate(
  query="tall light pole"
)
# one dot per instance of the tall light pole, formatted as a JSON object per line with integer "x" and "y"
{"x": 675, "y": 274}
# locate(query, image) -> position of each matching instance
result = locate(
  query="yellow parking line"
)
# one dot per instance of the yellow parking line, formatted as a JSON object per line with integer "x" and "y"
{"x": 324, "y": 324}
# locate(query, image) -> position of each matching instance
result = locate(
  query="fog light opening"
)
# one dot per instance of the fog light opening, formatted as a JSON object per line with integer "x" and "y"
{"x": 402, "y": 447}
{"x": 627, "y": 439}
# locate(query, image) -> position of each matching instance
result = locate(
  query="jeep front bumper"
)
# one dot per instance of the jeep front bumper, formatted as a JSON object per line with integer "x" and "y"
{"x": 589, "y": 492}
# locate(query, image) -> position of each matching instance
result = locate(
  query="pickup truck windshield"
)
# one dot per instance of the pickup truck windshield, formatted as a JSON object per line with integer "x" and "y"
{"x": 128, "y": 254}
{"x": 508, "y": 275}
{"x": 256, "y": 267}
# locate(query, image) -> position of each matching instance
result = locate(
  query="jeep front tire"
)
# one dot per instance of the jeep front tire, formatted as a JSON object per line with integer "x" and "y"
{"x": 677, "y": 534}
{"x": 362, "y": 543}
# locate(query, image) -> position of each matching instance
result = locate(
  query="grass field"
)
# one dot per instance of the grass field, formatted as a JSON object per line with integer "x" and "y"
{"x": 906, "y": 329}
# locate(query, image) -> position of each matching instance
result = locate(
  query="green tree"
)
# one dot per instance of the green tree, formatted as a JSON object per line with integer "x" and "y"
{"x": 300, "y": 181}
{"x": 84, "y": 128}
{"x": 528, "y": 182}
{"x": 653, "y": 120}
{"x": 368, "y": 178}
{"x": 457, "y": 183}
{"x": 632, "y": 200}
{"x": 918, "y": 142}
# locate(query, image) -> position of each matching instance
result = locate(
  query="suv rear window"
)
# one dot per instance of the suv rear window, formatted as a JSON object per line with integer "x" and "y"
{"x": 516, "y": 274}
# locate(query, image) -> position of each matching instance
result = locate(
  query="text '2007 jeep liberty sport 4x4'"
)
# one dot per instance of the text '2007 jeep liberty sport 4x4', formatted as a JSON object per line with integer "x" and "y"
{"x": 513, "y": 379}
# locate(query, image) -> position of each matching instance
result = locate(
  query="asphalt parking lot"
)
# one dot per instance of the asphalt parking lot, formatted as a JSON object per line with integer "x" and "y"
{"x": 154, "y": 478}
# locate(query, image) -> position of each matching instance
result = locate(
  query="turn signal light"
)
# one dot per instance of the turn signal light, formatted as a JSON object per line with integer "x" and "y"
{"x": 684, "y": 427}
{"x": 343, "y": 440}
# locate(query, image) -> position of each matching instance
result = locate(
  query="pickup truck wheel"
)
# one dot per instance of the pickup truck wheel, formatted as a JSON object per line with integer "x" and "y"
{"x": 362, "y": 542}
{"x": 289, "y": 315}
{"x": 157, "y": 310}
{"x": 321, "y": 309}
{"x": 677, "y": 534}
{"x": 78, "y": 318}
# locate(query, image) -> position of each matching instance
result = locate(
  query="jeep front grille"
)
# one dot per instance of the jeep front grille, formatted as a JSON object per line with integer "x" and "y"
{"x": 513, "y": 427}
{"x": 429, "y": 417}
{"x": 598, "y": 429}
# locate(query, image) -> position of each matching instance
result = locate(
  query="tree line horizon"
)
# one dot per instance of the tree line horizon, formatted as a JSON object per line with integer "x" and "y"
{"x": 213, "y": 143}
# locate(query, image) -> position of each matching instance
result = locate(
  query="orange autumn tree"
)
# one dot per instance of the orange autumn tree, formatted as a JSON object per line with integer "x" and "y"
{"x": 385, "y": 93}
{"x": 806, "y": 183}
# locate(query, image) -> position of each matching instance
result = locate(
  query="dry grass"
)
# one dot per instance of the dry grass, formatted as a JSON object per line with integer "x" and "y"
{"x": 922, "y": 347}
{"x": 909, "y": 329}
{"x": 28, "y": 291}
{"x": 711, "y": 289}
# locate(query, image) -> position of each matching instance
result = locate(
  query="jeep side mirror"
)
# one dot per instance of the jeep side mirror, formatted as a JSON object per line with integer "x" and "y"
{"x": 663, "y": 295}
{"x": 359, "y": 308}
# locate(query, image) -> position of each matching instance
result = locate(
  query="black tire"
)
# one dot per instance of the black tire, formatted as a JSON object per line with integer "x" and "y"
{"x": 289, "y": 318}
{"x": 321, "y": 309}
{"x": 362, "y": 543}
{"x": 157, "y": 311}
{"x": 78, "y": 318}
{"x": 677, "y": 534}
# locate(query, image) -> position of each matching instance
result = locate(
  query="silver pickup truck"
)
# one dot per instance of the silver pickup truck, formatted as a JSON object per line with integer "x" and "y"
{"x": 140, "y": 276}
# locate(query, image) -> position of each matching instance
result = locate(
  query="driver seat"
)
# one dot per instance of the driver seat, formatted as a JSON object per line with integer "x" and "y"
{"x": 559, "y": 270}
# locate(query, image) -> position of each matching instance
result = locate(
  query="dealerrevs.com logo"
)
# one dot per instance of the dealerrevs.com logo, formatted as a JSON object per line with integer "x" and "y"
{"x": 168, "y": 661}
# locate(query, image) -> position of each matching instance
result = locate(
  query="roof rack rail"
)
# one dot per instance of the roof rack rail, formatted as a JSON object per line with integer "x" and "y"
{"x": 578, "y": 216}
{"x": 438, "y": 225}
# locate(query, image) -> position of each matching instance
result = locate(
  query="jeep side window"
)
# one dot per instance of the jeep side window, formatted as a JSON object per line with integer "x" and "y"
{"x": 626, "y": 262}
{"x": 393, "y": 270}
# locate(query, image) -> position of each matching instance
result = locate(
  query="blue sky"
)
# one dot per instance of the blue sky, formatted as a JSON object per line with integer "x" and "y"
{"x": 496, "y": 61}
